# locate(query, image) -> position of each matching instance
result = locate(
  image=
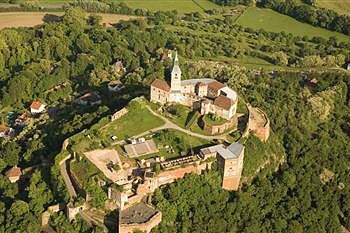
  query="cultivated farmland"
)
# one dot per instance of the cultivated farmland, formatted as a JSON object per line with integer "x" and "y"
{"x": 30, "y": 19}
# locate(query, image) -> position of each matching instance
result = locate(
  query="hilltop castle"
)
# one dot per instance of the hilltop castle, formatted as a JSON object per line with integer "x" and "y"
{"x": 206, "y": 95}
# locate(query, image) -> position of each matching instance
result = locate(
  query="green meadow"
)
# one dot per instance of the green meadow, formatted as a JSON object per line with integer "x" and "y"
{"x": 181, "y": 6}
{"x": 269, "y": 20}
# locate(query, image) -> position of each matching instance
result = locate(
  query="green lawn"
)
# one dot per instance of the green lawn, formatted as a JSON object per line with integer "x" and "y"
{"x": 182, "y": 6}
{"x": 213, "y": 120}
{"x": 180, "y": 118}
{"x": 270, "y": 20}
{"x": 84, "y": 170}
{"x": 138, "y": 120}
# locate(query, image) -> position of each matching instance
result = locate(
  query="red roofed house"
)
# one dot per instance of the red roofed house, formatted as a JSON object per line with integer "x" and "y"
{"x": 14, "y": 174}
{"x": 21, "y": 120}
{"x": 91, "y": 98}
{"x": 37, "y": 107}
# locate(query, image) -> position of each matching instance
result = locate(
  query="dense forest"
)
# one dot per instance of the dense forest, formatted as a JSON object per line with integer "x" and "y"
{"x": 57, "y": 61}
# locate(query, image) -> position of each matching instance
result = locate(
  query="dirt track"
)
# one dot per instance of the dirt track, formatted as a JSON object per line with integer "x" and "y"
{"x": 29, "y": 19}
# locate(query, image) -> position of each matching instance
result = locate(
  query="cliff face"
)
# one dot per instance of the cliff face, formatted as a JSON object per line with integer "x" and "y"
{"x": 261, "y": 156}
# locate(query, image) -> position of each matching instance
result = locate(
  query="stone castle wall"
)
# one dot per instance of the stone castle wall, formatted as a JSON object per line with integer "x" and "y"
{"x": 216, "y": 129}
{"x": 119, "y": 114}
{"x": 165, "y": 177}
{"x": 259, "y": 124}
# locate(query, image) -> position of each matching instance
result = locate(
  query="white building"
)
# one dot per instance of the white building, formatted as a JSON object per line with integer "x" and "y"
{"x": 208, "y": 95}
{"x": 36, "y": 107}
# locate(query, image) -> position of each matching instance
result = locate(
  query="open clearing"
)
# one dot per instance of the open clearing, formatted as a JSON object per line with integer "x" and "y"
{"x": 340, "y": 6}
{"x": 181, "y": 6}
{"x": 272, "y": 21}
{"x": 30, "y": 19}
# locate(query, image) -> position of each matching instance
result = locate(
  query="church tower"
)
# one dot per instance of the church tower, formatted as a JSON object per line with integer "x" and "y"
{"x": 176, "y": 76}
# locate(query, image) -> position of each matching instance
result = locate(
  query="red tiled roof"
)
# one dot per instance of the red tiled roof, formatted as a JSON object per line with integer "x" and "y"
{"x": 161, "y": 84}
{"x": 13, "y": 172}
{"x": 223, "y": 102}
{"x": 90, "y": 96}
{"x": 23, "y": 117}
{"x": 35, "y": 105}
{"x": 216, "y": 85}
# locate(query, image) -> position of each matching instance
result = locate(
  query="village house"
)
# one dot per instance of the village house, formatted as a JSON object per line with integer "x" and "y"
{"x": 90, "y": 98}
{"x": 6, "y": 131}
{"x": 166, "y": 55}
{"x": 36, "y": 108}
{"x": 22, "y": 119}
{"x": 14, "y": 174}
{"x": 115, "y": 85}
{"x": 119, "y": 67}
{"x": 206, "y": 95}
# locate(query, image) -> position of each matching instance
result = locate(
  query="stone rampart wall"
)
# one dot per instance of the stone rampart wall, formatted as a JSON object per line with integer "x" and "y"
{"x": 218, "y": 129}
{"x": 119, "y": 114}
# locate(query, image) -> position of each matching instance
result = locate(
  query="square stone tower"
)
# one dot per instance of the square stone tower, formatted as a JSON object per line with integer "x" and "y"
{"x": 230, "y": 164}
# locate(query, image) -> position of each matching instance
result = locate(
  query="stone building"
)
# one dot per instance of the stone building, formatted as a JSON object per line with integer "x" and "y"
{"x": 230, "y": 164}
{"x": 140, "y": 217}
{"x": 206, "y": 95}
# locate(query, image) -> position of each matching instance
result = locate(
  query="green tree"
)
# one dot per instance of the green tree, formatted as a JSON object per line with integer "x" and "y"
{"x": 39, "y": 193}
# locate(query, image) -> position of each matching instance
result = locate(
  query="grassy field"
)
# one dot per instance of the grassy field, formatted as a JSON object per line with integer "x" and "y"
{"x": 340, "y": 6}
{"x": 182, "y": 6}
{"x": 269, "y": 20}
{"x": 136, "y": 121}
